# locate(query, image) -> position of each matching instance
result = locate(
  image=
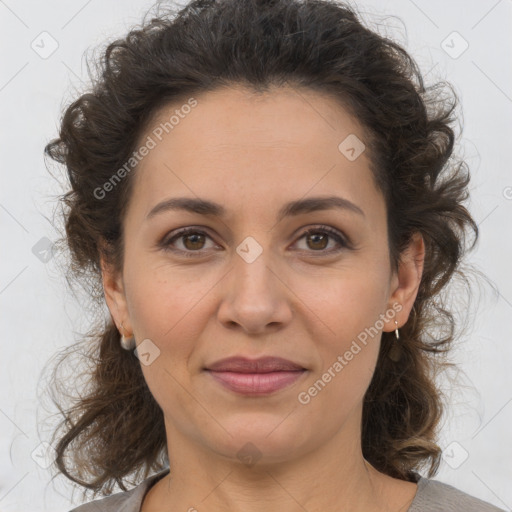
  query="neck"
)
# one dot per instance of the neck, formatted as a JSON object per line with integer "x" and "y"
{"x": 333, "y": 476}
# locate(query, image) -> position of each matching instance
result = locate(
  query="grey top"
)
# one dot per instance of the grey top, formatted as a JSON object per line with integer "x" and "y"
{"x": 431, "y": 496}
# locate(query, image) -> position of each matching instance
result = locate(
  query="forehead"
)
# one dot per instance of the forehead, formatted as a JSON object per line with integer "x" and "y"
{"x": 234, "y": 143}
{"x": 239, "y": 117}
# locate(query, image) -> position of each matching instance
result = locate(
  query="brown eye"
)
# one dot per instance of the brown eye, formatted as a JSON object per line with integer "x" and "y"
{"x": 193, "y": 241}
{"x": 188, "y": 242}
{"x": 318, "y": 239}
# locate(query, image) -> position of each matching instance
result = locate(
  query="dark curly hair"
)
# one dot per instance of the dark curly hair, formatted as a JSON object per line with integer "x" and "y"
{"x": 114, "y": 428}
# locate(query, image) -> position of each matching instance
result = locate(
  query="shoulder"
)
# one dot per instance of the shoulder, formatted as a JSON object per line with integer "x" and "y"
{"x": 432, "y": 496}
{"x": 127, "y": 501}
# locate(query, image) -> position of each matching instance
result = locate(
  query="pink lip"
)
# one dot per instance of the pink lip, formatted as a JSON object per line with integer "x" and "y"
{"x": 241, "y": 364}
{"x": 256, "y": 383}
{"x": 255, "y": 376}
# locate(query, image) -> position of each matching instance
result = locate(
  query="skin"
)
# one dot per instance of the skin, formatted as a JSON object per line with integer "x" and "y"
{"x": 253, "y": 153}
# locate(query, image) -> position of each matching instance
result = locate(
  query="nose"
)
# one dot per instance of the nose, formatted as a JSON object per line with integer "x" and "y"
{"x": 254, "y": 296}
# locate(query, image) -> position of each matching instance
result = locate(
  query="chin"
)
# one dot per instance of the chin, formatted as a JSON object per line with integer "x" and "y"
{"x": 270, "y": 439}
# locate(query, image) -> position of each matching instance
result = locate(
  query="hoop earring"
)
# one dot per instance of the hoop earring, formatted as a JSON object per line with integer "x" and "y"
{"x": 127, "y": 343}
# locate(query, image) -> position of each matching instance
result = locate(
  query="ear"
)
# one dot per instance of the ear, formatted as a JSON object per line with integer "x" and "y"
{"x": 115, "y": 298}
{"x": 406, "y": 281}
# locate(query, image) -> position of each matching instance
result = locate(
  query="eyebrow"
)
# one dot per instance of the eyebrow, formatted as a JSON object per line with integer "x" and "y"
{"x": 206, "y": 207}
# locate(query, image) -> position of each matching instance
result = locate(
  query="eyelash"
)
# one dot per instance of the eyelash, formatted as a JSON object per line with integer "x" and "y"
{"x": 341, "y": 240}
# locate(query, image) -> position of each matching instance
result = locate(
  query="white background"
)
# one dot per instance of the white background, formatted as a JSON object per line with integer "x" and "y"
{"x": 38, "y": 314}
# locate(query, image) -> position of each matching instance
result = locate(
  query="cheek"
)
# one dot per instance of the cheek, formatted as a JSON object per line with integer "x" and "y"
{"x": 347, "y": 357}
{"x": 170, "y": 309}
{"x": 171, "y": 314}
{"x": 162, "y": 301}
{"x": 333, "y": 396}
{"x": 347, "y": 338}
{"x": 344, "y": 301}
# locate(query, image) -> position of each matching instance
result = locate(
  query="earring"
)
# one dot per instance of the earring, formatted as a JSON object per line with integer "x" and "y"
{"x": 395, "y": 352}
{"x": 127, "y": 343}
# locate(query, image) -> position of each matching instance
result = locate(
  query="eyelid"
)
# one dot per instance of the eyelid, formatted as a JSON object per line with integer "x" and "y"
{"x": 343, "y": 240}
{"x": 180, "y": 232}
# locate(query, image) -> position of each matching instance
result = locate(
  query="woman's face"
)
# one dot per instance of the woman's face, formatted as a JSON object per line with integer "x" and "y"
{"x": 248, "y": 280}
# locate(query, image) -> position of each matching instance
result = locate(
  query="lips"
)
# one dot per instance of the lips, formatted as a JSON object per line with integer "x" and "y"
{"x": 255, "y": 377}
{"x": 261, "y": 365}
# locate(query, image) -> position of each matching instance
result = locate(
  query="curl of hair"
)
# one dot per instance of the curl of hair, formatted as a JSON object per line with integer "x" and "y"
{"x": 116, "y": 428}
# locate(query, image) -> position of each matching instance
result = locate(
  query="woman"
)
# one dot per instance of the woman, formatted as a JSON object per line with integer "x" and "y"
{"x": 262, "y": 193}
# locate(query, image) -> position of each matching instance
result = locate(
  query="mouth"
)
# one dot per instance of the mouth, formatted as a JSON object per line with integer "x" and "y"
{"x": 240, "y": 364}
{"x": 255, "y": 377}
{"x": 256, "y": 383}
